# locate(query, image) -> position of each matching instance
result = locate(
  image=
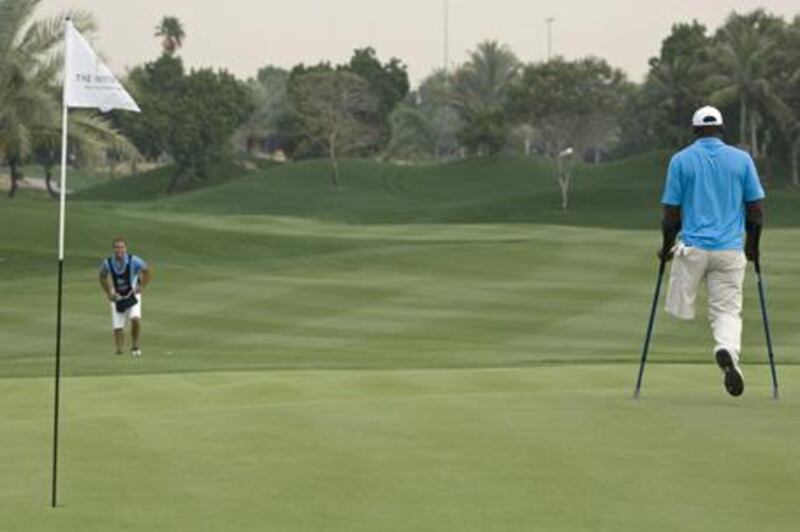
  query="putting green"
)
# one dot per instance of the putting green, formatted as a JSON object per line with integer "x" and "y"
{"x": 548, "y": 448}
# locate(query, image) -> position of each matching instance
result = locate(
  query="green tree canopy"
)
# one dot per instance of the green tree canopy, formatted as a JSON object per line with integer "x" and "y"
{"x": 273, "y": 120}
{"x": 743, "y": 49}
{"x": 190, "y": 117}
{"x": 573, "y": 105}
{"x": 388, "y": 81}
{"x": 676, "y": 82}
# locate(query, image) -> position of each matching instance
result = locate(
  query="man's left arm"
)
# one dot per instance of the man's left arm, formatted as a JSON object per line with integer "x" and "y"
{"x": 754, "y": 222}
{"x": 146, "y": 275}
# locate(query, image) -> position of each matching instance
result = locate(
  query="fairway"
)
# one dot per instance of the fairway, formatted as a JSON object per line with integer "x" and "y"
{"x": 418, "y": 351}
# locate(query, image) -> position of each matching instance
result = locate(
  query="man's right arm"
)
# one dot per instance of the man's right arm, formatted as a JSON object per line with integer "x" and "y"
{"x": 671, "y": 199}
{"x": 106, "y": 285}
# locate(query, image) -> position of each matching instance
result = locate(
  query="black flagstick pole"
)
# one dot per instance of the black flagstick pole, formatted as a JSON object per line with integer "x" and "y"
{"x": 58, "y": 384}
{"x": 61, "y": 219}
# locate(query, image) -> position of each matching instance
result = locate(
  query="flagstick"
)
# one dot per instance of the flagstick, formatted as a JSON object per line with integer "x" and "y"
{"x": 61, "y": 215}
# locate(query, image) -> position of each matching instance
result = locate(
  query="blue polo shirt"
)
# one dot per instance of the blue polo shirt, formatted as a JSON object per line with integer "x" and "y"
{"x": 137, "y": 265}
{"x": 711, "y": 182}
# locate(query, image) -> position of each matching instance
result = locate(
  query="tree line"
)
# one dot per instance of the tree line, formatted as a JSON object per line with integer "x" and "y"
{"x": 563, "y": 110}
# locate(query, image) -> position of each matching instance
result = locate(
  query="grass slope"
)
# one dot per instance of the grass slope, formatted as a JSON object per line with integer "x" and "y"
{"x": 490, "y": 190}
{"x": 623, "y": 194}
{"x": 153, "y": 184}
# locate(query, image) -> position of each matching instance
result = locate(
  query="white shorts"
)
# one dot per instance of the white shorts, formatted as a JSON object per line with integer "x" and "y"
{"x": 120, "y": 319}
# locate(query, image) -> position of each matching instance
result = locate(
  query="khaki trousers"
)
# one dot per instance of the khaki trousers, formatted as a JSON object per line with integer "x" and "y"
{"x": 723, "y": 273}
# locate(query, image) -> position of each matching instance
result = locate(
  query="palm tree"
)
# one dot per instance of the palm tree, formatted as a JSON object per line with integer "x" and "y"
{"x": 30, "y": 117}
{"x": 171, "y": 31}
{"x": 413, "y": 134}
{"x": 743, "y": 48}
{"x": 435, "y": 99}
{"x": 674, "y": 85}
{"x": 90, "y": 135}
{"x": 480, "y": 90}
{"x": 787, "y": 87}
{"x": 28, "y": 69}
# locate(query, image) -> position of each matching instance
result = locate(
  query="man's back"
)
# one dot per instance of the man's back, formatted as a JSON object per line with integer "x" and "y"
{"x": 711, "y": 182}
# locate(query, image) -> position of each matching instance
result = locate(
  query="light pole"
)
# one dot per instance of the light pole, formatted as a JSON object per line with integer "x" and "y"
{"x": 446, "y": 35}
{"x": 549, "y": 21}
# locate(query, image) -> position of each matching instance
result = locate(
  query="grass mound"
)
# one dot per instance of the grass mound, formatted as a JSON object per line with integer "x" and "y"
{"x": 153, "y": 184}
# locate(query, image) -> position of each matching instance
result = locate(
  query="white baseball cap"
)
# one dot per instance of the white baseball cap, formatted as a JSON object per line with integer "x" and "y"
{"x": 707, "y": 116}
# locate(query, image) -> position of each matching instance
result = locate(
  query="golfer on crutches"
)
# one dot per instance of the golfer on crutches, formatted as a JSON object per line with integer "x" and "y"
{"x": 712, "y": 199}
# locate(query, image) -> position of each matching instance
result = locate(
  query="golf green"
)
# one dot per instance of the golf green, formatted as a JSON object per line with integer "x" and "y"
{"x": 545, "y": 448}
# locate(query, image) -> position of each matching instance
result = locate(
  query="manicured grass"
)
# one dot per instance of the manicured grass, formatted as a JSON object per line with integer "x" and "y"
{"x": 437, "y": 348}
{"x": 549, "y": 448}
{"x": 236, "y": 293}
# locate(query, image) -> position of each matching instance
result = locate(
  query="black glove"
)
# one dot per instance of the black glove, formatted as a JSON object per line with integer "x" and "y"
{"x": 753, "y": 225}
{"x": 665, "y": 254}
{"x": 670, "y": 227}
{"x": 751, "y": 245}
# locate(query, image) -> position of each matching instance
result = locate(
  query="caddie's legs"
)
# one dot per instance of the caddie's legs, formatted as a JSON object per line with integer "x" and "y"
{"x": 136, "y": 328}
{"x": 725, "y": 278}
{"x": 119, "y": 339}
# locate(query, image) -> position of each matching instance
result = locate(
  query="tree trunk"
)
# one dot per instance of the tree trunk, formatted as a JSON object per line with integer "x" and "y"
{"x": 12, "y": 190}
{"x": 753, "y": 136}
{"x": 564, "y": 180}
{"x": 764, "y": 151}
{"x": 795, "y": 156}
{"x": 112, "y": 168}
{"x": 175, "y": 179}
{"x": 48, "y": 180}
{"x": 334, "y": 162}
{"x": 742, "y": 121}
{"x": 334, "y": 172}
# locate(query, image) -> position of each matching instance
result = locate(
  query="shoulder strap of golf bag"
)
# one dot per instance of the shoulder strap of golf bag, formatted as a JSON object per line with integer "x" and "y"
{"x": 122, "y": 282}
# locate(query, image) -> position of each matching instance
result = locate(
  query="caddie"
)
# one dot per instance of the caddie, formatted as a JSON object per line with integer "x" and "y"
{"x": 123, "y": 277}
{"x": 712, "y": 199}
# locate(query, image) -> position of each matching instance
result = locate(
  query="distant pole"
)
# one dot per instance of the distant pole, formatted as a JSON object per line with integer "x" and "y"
{"x": 549, "y": 21}
{"x": 446, "y": 35}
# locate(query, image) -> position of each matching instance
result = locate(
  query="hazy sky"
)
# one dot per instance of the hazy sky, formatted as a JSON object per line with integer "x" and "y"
{"x": 243, "y": 35}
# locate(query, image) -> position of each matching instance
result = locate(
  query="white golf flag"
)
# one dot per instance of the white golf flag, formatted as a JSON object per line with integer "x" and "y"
{"x": 88, "y": 81}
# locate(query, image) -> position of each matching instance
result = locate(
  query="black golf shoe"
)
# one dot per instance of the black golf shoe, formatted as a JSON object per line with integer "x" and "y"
{"x": 734, "y": 382}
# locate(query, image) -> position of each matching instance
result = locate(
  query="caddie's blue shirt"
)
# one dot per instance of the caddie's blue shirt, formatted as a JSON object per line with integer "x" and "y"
{"x": 711, "y": 182}
{"x": 137, "y": 265}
